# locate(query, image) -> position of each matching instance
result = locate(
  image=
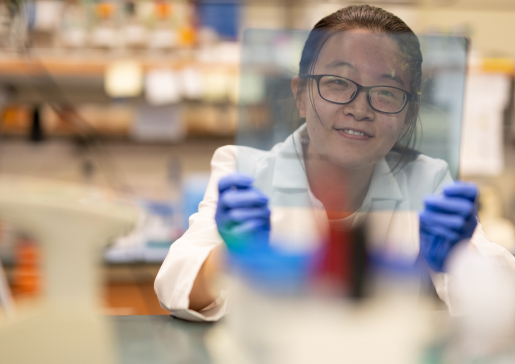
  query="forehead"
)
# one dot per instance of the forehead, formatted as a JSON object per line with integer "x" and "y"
{"x": 367, "y": 54}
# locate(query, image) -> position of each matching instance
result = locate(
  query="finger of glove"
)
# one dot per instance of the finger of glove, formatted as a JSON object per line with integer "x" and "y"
{"x": 239, "y": 215}
{"x": 471, "y": 222}
{"x": 462, "y": 190}
{"x": 432, "y": 248}
{"x": 436, "y": 244}
{"x": 439, "y": 231}
{"x": 243, "y": 198}
{"x": 224, "y": 223}
{"x": 450, "y": 221}
{"x": 450, "y": 205}
{"x": 469, "y": 226}
{"x": 235, "y": 180}
{"x": 441, "y": 252}
{"x": 428, "y": 244}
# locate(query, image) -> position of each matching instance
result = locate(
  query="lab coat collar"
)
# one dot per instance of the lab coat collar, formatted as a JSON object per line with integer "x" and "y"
{"x": 290, "y": 171}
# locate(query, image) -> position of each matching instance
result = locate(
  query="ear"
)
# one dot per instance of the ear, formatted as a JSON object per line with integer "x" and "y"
{"x": 299, "y": 97}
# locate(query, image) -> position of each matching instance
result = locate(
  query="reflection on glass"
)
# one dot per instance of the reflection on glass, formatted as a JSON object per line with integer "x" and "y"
{"x": 268, "y": 111}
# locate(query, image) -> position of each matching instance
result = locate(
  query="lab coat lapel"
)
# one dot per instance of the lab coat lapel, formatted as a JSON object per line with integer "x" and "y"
{"x": 289, "y": 169}
{"x": 295, "y": 222}
{"x": 384, "y": 197}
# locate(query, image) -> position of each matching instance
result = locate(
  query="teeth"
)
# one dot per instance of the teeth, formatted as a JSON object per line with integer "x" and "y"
{"x": 352, "y": 132}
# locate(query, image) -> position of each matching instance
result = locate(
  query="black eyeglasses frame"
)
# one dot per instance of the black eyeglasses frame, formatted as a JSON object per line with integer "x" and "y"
{"x": 409, "y": 95}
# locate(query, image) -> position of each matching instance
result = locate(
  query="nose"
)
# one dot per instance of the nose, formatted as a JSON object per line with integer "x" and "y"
{"x": 359, "y": 108}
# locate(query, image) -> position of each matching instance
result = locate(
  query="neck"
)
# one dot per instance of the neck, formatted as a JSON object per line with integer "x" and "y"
{"x": 340, "y": 190}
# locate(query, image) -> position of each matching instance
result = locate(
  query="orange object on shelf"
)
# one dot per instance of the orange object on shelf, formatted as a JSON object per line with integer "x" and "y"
{"x": 16, "y": 118}
{"x": 187, "y": 36}
{"x": 26, "y": 274}
{"x": 163, "y": 10}
{"x": 105, "y": 10}
{"x": 498, "y": 65}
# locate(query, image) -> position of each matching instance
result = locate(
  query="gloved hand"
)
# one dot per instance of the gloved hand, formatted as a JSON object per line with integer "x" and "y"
{"x": 242, "y": 214}
{"x": 243, "y": 220}
{"x": 446, "y": 220}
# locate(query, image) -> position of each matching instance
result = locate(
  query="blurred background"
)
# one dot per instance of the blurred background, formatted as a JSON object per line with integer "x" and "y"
{"x": 137, "y": 95}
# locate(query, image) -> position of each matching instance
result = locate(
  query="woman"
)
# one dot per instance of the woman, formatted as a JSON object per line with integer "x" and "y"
{"x": 357, "y": 90}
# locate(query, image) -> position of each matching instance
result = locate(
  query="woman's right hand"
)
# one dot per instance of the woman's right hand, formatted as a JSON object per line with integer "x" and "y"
{"x": 242, "y": 214}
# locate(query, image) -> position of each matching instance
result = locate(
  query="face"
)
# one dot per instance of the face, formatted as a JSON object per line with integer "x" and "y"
{"x": 354, "y": 135}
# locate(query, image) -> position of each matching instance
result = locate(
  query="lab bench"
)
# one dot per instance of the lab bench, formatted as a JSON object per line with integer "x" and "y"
{"x": 160, "y": 339}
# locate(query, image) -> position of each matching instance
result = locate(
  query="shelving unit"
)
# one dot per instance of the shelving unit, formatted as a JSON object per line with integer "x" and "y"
{"x": 72, "y": 82}
{"x": 62, "y": 61}
{"x": 95, "y": 66}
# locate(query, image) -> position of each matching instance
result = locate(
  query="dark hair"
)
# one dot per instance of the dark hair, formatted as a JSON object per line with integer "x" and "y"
{"x": 380, "y": 21}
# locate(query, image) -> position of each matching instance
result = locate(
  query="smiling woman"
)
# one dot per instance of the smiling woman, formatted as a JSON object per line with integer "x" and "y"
{"x": 350, "y": 126}
{"x": 357, "y": 95}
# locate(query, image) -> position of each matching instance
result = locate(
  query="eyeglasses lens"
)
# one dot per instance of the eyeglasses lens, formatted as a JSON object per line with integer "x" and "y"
{"x": 387, "y": 99}
{"x": 337, "y": 89}
{"x": 382, "y": 98}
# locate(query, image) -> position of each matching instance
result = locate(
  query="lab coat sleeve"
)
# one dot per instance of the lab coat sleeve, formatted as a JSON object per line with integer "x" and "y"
{"x": 489, "y": 250}
{"x": 444, "y": 282}
{"x": 186, "y": 255}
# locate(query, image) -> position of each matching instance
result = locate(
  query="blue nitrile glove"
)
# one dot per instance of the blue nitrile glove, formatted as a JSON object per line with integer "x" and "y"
{"x": 272, "y": 270}
{"x": 446, "y": 220}
{"x": 243, "y": 220}
{"x": 242, "y": 214}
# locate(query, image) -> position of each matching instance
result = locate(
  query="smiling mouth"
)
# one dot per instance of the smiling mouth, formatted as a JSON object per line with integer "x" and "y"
{"x": 354, "y": 133}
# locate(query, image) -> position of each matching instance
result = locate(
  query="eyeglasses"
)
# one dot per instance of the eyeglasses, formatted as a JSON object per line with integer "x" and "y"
{"x": 340, "y": 90}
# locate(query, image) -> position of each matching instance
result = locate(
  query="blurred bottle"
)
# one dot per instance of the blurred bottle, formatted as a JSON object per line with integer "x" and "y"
{"x": 5, "y": 22}
{"x": 36, "y": 134}
{"x": 73, "y": 28}
{"x": 14, "y": 25}
{"x": 163, "y": 36}
{"x": 105, "y": 34}
{"x": 135, "y": 34}
{"x": 223, "y": 17}
{"x": 27, "y": 276}
{"x": 185, "y": 21}
{"x": 16, "y": 119}
{"x": 44, "y": 18}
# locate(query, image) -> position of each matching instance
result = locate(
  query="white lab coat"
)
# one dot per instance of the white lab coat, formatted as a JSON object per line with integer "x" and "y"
{"x": 299, "y": 220}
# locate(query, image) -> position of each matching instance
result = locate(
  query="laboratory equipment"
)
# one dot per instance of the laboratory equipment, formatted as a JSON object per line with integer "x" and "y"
{"x": 72, "y": 223}
{"x": 274, "y": 322}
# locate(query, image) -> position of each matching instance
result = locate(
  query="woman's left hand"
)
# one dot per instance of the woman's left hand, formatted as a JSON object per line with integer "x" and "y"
{"x": 446, "y": 220}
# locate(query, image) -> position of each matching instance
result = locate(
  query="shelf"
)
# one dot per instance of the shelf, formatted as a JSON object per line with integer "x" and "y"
{"x": 118, "y": 138}
{"x": 93, "y": 66}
